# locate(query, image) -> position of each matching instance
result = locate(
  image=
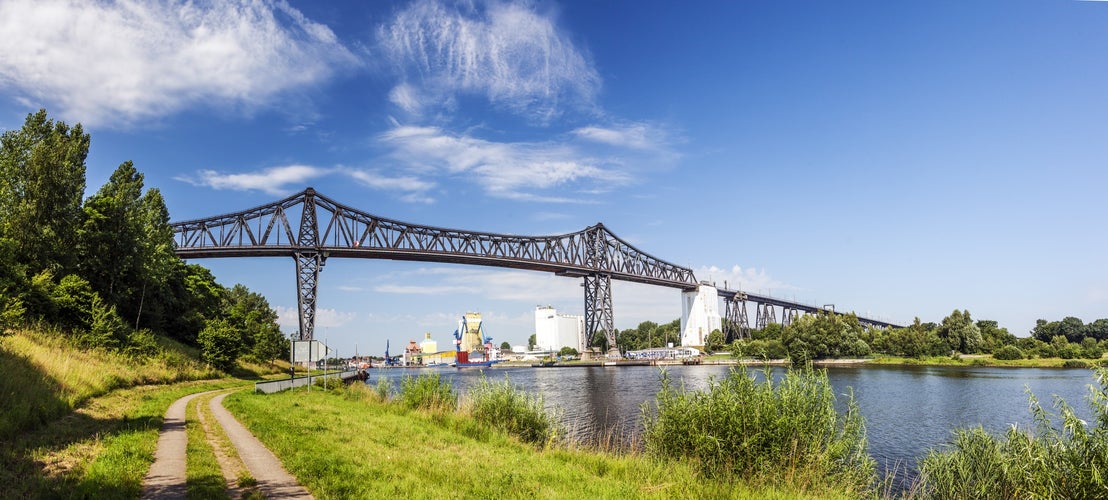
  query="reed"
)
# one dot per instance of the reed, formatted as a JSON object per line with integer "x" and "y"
{"x": 1068, "y": 459}
{"x": 764, "y": 433}
{"x": 510, "y": 409}
{"x": 428, "y": 392}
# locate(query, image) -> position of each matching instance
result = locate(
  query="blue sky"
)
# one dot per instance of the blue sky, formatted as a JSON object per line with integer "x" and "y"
{"x": 899, "y": 159}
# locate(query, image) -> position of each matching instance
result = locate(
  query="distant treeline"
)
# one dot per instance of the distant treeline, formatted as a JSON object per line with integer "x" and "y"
{"x": 823, "y": 336}
{"x": 102, "y": 270}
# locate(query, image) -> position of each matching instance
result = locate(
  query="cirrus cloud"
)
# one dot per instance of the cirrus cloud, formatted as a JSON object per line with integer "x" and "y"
{"x": 510, "y": 53}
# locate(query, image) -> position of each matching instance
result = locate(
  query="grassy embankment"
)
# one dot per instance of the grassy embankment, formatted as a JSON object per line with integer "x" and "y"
{"x": 352, "y": 443}
{"x": 84, "y": 423}
{"x": 983, "y": 360}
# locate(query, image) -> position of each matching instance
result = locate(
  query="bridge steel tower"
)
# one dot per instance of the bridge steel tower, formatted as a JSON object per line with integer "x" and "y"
{"x": 598, "y": 291}
{"x": 309, "y": 262}
{"x": 738, "y": 324}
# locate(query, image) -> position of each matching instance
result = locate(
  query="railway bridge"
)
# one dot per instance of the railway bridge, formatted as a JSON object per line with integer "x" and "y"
{"x": 312, "y": 228}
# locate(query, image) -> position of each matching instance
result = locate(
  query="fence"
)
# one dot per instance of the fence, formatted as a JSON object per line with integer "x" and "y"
{"x": 272, "y": 386}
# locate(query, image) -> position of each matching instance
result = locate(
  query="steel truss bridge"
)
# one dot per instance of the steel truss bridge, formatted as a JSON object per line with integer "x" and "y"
{"x": 312, "y": 228}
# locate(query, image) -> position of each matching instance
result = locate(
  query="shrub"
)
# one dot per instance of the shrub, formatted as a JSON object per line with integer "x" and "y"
{"x": 761, "y": 432}
{"x": 1008, "y": 352}
{"x": 505, "y": 407}
{"x": 1075, "y": 363}
{"x": 1057, "y": 461}
{"x": 220, "y": 344}
{"x": 428, "y": 392}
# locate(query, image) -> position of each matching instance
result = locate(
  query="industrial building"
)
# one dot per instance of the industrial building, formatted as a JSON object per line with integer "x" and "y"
{"x": 554, "y": 331}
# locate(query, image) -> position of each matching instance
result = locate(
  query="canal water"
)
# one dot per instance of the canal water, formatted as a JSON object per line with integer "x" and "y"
{"x": 908, "y": 409}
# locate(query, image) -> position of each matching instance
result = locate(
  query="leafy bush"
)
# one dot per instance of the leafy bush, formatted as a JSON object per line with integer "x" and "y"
{"x": 1075, "y": 363}
{"x": 506, "y": 407}
{"x": 759, "y": 349}
{"x": 428, "y": 392}
{"x": 761, "y": 432}
{"x": 1008, "y": 352}
{"x": 106, "y": 329}
{"x": 1057, "y": 461}
{"x": 220, "y": 344}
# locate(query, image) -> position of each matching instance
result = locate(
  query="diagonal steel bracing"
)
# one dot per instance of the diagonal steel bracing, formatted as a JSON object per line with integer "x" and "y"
{"x": 323, "y": 228}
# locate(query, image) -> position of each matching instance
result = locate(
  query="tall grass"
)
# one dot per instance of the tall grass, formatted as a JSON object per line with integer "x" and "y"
{"x": 510, "y": 409}
{"x": 428, "y": 392}
{"x": 1069, "y": 460}
{"x": 45, "y": 375}
{"x": 762, "y": 433}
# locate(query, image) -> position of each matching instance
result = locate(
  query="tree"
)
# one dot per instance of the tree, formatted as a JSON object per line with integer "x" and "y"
{"x": 815, "y": 336}
{"x": 1072, "y": 328}
{"x": 505, "y": 346}
{"x": 959, "y": 331}
{"x": 220, "y": 344}
{"x": 42, "y": 181}
{"x": 715, "y": 341}
{"x": 531, "y": 341}
{"x": 568, "y": 351}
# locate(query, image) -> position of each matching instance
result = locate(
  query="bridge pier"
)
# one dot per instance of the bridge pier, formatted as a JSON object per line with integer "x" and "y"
{"x": 309, "y": 262}
{"x": 598, "y": 311}
{"x": 738, "y": 324}
{"x": 699, "y": 315}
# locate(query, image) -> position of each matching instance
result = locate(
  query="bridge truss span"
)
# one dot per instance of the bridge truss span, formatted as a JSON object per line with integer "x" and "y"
{"x": 311, "y": 228}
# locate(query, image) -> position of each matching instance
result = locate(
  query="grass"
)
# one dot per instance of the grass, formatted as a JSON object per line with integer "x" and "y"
{"x": 428, "y": 392}
{"x": 508, "y": 408}
{"x": 101, "y": 450}
{"x": 351, "y": 444}
{"x": 45, "y": 376}
{"x": 203, "y": 474}
{"x": 1068, "y": 459}
{"x": 764, "y": 433}
{"x": 976, "y": 360}
{"x": 81, "y": 423}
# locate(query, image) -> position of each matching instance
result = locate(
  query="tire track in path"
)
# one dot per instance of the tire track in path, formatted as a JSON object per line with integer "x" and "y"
{"x": 166, "y": 478}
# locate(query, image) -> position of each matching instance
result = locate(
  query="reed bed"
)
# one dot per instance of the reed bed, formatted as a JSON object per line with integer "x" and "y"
{"x": 787, "y": 433}
{"x": 1067, "y": 459}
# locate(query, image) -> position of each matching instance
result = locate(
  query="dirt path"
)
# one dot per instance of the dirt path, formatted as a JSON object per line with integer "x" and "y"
{"x": 166, "y": 478}
{"x": 273, "y": 480}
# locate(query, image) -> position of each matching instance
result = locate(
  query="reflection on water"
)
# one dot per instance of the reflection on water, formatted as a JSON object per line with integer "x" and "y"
{"x": 908, "y": 409}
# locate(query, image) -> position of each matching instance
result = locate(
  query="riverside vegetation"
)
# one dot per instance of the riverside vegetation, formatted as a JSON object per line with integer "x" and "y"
{"x": 365, "y": 441}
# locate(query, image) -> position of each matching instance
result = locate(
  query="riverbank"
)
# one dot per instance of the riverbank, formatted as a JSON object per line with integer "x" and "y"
{"x": 346, "y": 444}
{"x": 964, "y": 360}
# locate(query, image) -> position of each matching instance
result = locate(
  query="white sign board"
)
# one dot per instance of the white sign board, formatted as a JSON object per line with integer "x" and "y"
{"x": 308, "y": 350}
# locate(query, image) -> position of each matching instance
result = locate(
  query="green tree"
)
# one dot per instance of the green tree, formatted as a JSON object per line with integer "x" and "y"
{"x": 715, "y": 341}
{"x": 220, "y": 344}
{"x": 816, "y": 336}
{"x": 251, "y": 315}
{"x": 42, "y": 180}
{"x": 531, "y": 341}
{"x": 1097, "y": 329}
{"x": 1072, "y": 328}
{"x": 505, "y": 346}
{"x": 960, "y": 333}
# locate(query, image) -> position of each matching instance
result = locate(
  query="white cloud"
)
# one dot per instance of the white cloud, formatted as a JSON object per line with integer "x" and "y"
{"x": 510, "y": 53}
{"x": 114, "y": 63}
{"x": 748, "y": 280}
{"x": 289, "y": 318}
{"x": 632, "y": 136}
{"x": 503, "y": 169}
{"x": 284, "y": 179}
{"x": 275, "y": 181}
{"x": 377, "y": 180}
